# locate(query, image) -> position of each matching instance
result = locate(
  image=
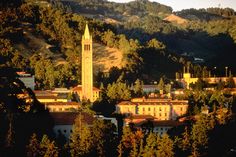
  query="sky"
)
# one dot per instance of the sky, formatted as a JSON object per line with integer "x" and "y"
{"x": 178, "y": 5}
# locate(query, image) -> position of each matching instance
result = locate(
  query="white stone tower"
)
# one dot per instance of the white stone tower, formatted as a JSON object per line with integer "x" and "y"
{"x": 87, "y": 65}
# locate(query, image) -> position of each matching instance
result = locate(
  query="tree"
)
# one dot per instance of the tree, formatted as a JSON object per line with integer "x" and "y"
{"x": 81, "y": 142}
{"x": 165, "y": 147}
{"x": 103, "y": 137}
{"x": 199, "y": 85}
{"x": 129, "y": 142}
{"x": 154, "y": 43}
{"x": 185, "y": 143}
{"x": 33, "y": 148}
{"x": 230, "y": 82}
{"x": 109, "y": 38}
{"x": 118, "y": 91}
{"x": 126, "y": 141}
{"x": 91, "y": 138}
{"x": 138, "y": 89}
{"x": 44, "y": 148}
{"x": 48, "y": 148}
{"x": 151, "y": 145}
{"x": 199, "y": 133}
{"x": 134, "y": 152}
{"x": 161, "y": 84}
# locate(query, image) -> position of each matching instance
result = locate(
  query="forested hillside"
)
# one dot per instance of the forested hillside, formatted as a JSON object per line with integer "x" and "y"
{"x": 45, "y": 39}
{"x": 209, "y": 34}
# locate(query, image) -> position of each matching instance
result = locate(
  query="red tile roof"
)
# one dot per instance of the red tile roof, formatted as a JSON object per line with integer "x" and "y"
{"x": 68, "y": 118}
{"x": 170, "y": 123}
{"x": 62, "y": 103}
{"x": 79, "y": 88}
{"x": 143, "y": 101}
{"x": 126, "y": 103}
{"x": 137, "y": 116}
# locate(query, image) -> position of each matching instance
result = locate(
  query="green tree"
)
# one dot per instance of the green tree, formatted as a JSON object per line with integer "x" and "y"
{"x": 81, "y": 142}
{"x": 185, "y": 143}
{"x": 230, "y": 82}
{"x": 33, "y": 148}
{"x": 48, "y": 148}
{"x": 151, "y": 145}
{"x": 129, "y": 142}
{"x": 118, "y": 91}
{"x": 138, "y": 89}
{"x": 109, "y": 38}
{"x": 161, "y": 84}
{"x": 199, "y": 133}
{"x": 154, "y": 43}
{"x": 165, "y": 147}
{"x": 103, "y": 137}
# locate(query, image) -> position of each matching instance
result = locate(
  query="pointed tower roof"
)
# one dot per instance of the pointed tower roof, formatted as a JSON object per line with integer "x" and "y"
{"x": 86, "y": 32}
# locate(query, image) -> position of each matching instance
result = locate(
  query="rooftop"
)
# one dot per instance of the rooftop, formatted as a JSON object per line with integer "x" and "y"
{"x": 156, "y": 123}
{"x": 137, "y": 116}
{"x": 62, "y": 103}
{"x": 79, "y": 88}
{"x": 68, "y": 118}
{"x": 143, "y": 101}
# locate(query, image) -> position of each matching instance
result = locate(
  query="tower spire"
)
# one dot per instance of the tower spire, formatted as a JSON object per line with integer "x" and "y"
{"x": 86, "y": 32}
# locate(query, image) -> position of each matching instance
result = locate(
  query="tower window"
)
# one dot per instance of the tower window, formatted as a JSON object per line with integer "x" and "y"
{"x": 87, "y": 47}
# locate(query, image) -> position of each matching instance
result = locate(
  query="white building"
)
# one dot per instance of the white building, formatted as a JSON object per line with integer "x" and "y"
{"x": 150, "y": 123}
{"x": 27, "y": 79}
{"x": 161, "y": 109}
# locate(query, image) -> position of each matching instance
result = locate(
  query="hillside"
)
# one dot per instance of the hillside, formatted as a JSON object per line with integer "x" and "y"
{"x": 102, "y": 9}
{"x": 195, "y": 33}
{"x": 31, "y": 43}
{"x": 104, "y": 58}
{"x": 142, "y": 42}
{"x": 176, "y": 19}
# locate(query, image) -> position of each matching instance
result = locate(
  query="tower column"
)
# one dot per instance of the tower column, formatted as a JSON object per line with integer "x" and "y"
{"x": 87, "y": 65}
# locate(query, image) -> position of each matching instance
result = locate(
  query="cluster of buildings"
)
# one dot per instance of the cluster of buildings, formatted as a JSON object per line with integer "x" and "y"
{"x": 157, "y": 114}
{"x": 161, "y": 113}
{"x": 64, "y": 104}
{"x": 188, "y": 79}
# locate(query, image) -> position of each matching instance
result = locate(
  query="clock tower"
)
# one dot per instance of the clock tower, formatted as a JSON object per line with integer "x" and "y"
{"x": 87, "y": 65}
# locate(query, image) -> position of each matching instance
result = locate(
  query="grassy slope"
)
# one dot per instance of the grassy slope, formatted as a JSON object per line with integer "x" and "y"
{"x": 30, "y": 43}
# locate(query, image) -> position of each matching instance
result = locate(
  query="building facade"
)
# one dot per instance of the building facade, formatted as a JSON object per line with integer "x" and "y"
{"x": 87, "y": 65}
{"x": 62, "y": 106}
{"x": 78, "y": 91}
{"x": 188, "y": 79}
{"x": 161, "y": 109}
{"x": 148, "y": 123}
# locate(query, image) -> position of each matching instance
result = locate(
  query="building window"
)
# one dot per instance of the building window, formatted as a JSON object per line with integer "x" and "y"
{"x": 165, "y": 114}
{"x": 64, "y": 131}
{"x": 181, "y": 108}
{"x": 143, "y": 109}
{"x": 160, "y": 114}
{"x": 149, "y": 109}
{"x": 159, "y": 108}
